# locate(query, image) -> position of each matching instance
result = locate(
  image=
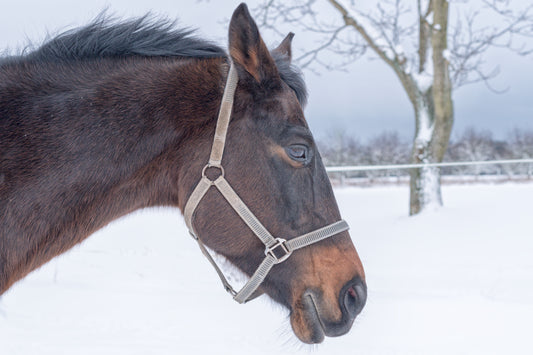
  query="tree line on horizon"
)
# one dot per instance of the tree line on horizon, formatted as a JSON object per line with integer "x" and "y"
{"x": 339, "y": 148}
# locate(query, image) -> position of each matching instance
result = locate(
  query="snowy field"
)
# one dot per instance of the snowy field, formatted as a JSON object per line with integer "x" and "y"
{"x": 456, "y": 281}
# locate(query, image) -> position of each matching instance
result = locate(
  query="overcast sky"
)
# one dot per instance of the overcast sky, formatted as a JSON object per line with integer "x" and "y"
{"x": 365, "y": 100}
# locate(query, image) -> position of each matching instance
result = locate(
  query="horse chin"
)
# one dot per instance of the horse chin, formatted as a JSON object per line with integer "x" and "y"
{"x": 305, "y": 321}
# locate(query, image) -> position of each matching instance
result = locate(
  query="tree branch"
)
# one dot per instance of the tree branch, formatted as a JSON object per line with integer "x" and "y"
{"x": 424, "y": 34}
{"x": 349, "y": 20}
{"x": 470, "y": 42}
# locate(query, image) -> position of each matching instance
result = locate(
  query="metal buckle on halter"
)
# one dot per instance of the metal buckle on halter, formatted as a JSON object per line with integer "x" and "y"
{"x": 274, "y": 249}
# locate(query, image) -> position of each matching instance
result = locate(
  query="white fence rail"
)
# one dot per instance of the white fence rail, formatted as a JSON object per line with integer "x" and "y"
{"x": 340, "y": 169}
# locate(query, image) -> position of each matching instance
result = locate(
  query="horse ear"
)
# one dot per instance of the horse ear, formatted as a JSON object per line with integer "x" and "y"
{"x": 246, "y": 47}
{"x": 284, "y": 48}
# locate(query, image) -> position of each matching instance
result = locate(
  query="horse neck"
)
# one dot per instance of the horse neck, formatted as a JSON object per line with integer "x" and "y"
{"x": 115, "y": 150}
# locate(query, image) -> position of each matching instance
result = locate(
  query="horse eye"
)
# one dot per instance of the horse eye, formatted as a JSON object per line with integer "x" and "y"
{"x": 298, "y": 152}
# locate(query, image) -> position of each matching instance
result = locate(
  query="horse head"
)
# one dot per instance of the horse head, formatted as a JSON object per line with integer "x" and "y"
{"x": 272, "y": 163}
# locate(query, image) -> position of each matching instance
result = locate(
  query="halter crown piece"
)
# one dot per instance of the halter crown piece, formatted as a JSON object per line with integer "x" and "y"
{"x": 277, "y": 249}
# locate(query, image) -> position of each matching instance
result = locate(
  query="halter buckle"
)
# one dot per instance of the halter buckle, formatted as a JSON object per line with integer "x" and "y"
{"x": 279, "y": 250}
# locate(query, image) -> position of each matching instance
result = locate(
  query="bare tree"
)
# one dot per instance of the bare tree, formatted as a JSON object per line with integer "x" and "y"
{"x": 475, "y": 145}
{"x": 430, "y": 56}
{"x": 340, "y": 148}
{"x": 521, "y": 144}
{"x": 386, "y": 148}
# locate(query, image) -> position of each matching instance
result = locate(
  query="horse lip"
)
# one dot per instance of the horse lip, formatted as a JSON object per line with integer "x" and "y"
{"x": 325, "y": 327}
{"x": 314, "y": 316}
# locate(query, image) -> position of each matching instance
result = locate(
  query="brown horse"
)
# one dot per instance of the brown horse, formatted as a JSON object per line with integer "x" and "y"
{"x": 114, "y": 117}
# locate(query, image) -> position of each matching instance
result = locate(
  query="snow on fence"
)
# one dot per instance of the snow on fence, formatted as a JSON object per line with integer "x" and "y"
{"x": 341, "y": 169}
{"x": 341, "y": 172}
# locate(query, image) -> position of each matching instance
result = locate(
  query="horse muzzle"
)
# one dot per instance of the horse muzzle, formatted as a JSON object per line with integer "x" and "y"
{"x": 316, "y": 316}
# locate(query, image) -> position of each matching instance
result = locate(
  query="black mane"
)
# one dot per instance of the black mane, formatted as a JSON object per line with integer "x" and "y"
{"x": 146, "y": 36}
{"x": 105, "y": 38}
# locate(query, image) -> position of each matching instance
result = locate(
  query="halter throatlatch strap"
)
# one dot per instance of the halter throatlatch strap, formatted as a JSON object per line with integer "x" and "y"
{"x": 277, "y": 250}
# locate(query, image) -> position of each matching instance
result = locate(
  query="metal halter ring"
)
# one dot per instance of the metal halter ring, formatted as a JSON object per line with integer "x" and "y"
{"x": 215, "y": 166}
{"x": 280, "y": 243}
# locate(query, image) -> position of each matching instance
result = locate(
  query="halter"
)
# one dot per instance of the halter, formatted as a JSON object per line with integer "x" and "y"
{"x": 277, "y": 250}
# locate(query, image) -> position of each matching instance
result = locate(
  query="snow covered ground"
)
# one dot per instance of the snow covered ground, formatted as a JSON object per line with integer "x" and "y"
{"x": 456, "y": 281}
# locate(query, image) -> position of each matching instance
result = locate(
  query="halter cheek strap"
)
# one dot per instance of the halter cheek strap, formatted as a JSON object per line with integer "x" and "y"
{"x": 277, "y": 250}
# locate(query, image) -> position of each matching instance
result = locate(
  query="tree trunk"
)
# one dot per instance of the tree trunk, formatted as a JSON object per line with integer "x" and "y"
{"x": 430, "y": 143}
{"x": 434, "y": 119}
{"x": 424, "y": 182}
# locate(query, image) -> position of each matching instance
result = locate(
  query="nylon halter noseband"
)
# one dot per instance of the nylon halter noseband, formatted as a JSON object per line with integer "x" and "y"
{"x": 277, "y": 249}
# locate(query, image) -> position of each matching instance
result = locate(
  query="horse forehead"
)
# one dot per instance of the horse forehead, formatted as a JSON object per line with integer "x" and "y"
{"x": 285, "y": 106}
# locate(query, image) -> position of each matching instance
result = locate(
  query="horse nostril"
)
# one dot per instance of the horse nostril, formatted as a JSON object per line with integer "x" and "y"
{"x": 354, "y": 297}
